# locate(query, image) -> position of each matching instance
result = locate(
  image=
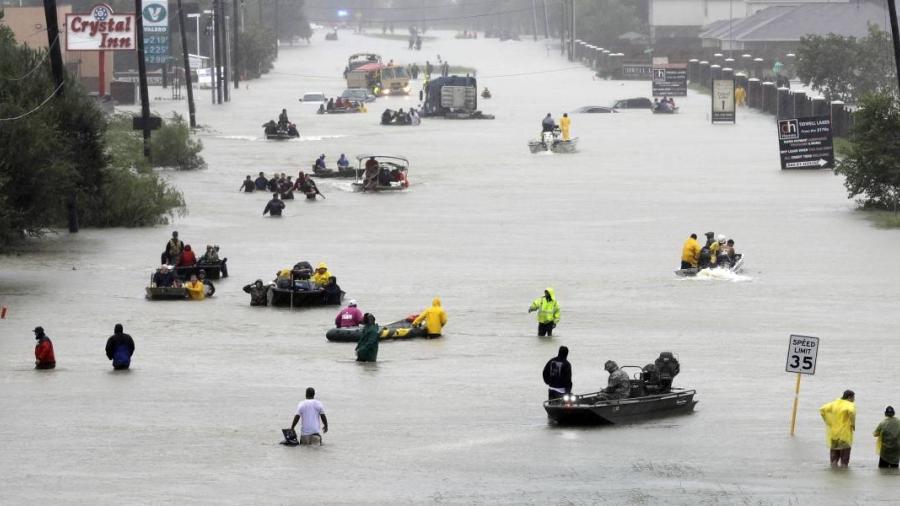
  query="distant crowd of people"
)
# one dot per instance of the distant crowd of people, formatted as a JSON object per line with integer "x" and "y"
{"x": 400, "y": 117}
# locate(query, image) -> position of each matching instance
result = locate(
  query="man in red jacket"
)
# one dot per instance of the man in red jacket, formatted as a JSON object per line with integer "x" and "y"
{"x": 43, "y": 350}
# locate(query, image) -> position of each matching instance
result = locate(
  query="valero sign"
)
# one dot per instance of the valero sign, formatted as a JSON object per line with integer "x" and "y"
{"x": 100, "y": 30}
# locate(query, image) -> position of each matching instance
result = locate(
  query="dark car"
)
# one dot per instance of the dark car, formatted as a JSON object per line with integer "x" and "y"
{"x": 634, "y": 103}
{"x": 592, "y": 109}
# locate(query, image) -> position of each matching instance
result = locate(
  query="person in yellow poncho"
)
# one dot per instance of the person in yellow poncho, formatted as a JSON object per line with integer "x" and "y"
{"x": 840, "y": 422}
{"x": 434, "y": 317}
{"x": 321, "y": 276}
{"x": 195, "y": 288}
{"x": 690, "y": 252}
{"x": 565, "y": 123}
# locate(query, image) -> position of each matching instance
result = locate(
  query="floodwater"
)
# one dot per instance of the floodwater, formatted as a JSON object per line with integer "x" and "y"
{"x": 486, "y": 226}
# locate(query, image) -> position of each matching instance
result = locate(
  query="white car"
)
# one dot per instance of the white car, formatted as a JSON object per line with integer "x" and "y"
{"x": 313, "y": 98}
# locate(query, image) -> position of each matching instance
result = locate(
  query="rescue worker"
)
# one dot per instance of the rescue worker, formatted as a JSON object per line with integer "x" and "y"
{"x": 248, "y": 185}
{"x": 172, "y": 250}
{"x": 564, "y": 124}
{"x": 44, "y": 358}
{"x": 348, "y": 317}
{"x": 548, "y": 313}
{"x": 259, "y": 293}
{"x": 187, "y": 258}
{"x": 120, "y": 348}
{"x": 690, "y": 253}
{"x": 434, "y": 318}
{"x": 321, "y": 275}
{"x": 840, "y": 423}
{"x": 261, "y": 182}
{"x": 888, "y": 443}
{"x": 740, "y": 95}
{"x": 195, "y": 288}
{"x": 283, "y": 119}
{"x": 618, "y": 386}
{"x": 558, "y": 375}
{"x": 367, "y": 347}
{"x": 274, "y": 207}
{"x": 547, "y": 124}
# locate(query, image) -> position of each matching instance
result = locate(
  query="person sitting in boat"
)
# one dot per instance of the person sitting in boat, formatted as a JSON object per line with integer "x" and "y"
{"x": 343, "y": 163}
{"x": 664, "y": 106}
{"x": 708, "y": 252}
{"x": 284, "y": 278}
{"x": 726, "y": 254}
{"x": 332, "y": 291}
{"x": 173, "y": 249}
{"x": 248, "y": 185}
{"x": 283, "y": 121}
{"x": 398, "y": 176}
{"x": 434, "y": 319}
{"x": 261, "y": 182}
{"x": 207, "y": 284}
{"x": 348, "y": 317}
{"x": 547, "y": 124}
{"x": 618, "y": 386}
{"x": 259, "y": 293}
{"x": 187, "y": 258}
{"x": 387, "y": 117}
{"x": 274, "y": 207}
{"x": 195, "y": 288}
{"x": 655, "y": 104}
{"x": 292, "y": 130}
{"x": 671, "y": 102}
{"x": 401, "y": 118}
{"x": 690, "y": 253}
{"x": 371, "y": 174}
{"x": 320, "y": 163}
{"x": 164, "y": 278}
{"x": 320, "y": 277}
{"x": 271, "y": 128}
{"x": 211, "y": 256}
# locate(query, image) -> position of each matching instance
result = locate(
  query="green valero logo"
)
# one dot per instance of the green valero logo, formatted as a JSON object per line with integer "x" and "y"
{"x": 155, "y": 13}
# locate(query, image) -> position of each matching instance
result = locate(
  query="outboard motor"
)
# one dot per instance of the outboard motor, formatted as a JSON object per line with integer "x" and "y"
{"x": 668, "y": 367}
{"x": 547, "y": 138}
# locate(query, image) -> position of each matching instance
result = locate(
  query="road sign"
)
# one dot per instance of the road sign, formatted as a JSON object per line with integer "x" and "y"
{"x": 669, "y": 80}
{"x": 156, "y": 30}
{"x": 806, "y": 143}
{"x": 723, "y": 101}
{"x": 801, "y": 356}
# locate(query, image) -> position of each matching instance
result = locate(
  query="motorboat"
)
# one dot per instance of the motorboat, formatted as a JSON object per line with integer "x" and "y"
{"x": 212, "y": 270}
{"x": 594, "y": 409}
{"x": 736, "y": 267}
{"x": 551, "y": 141}
{"x": 340, "y": 172}
{"x": 274, "y": 131}
{"x": 389, "y": 173}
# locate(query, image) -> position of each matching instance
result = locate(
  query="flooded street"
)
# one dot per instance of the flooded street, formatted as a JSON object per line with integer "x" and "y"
{"x": 486, "y": 226}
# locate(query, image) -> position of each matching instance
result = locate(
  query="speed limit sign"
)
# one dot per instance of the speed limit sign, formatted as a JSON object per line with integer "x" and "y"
{"x": 801, "y": 356}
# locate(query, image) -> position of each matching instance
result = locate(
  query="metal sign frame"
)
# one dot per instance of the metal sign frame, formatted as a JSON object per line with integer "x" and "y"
{"x": 722, "y": 95}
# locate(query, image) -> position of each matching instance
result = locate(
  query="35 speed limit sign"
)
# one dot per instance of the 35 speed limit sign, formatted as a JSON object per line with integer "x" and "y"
{"x": 801, "y": 356}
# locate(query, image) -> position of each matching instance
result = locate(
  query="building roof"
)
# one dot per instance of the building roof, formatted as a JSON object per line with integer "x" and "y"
{"x": 789, "y": 24}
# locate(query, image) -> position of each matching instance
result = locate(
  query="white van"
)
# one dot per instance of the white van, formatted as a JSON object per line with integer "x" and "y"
{"x": 205, "y": 78}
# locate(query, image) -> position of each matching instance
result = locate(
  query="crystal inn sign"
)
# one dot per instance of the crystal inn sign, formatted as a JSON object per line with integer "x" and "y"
{"x": 100, "y": 30}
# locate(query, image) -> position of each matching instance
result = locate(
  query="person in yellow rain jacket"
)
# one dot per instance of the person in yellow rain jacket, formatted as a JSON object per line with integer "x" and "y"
{"x": 195, "y": 288}
{"x": 321, "y": 276}
{"x": 690, "y": 252}
{"x": 548, "y": 312}
{"x": 740, "y": 95}
{"x": 565, "y": 123}
{"x": 840, "y": 422}
{"x": 434, "y": 317}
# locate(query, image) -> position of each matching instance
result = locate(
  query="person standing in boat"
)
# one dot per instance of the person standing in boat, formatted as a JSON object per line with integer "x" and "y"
{"x": 564, "y": 124}
{"x": 274, "y": 207}
{"x": 44, "y": 358}
{"x": 367, "y": 346}
{"x": 558, "y": 374}
{"x": 172, "y": 250}
{"x": 259, "y": 293}
{"x": 187, "y": 258}
{"x": 548, "y": 312}
{"x": 840, "y": 423}
{"x": 348, "y": 317}
{"x": 120, "y": 348}
{"x": 690, "y": 252}
{"x": 434, "y": 318}
{"x": 547, "y": 124}
{"x": 283, "y": 121}
{"x": 618, "y": 386}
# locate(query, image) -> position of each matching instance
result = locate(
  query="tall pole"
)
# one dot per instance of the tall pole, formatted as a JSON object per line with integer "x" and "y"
{"x": 226, "y": 57}
{"x": 895, "y": 36}
{"x": 572, "y": 29}
{"x": 187, "y": 65}
{"x": 534, "y": 18}
{"x": 276, "y": 27}
{"x": 546, "y": 21}
{"x": 562, "y": 27}
{"x": 236, "y": 52}
{"x": 212, "y": 59}
{"x": 53, "y": 44}
{"x": 217, "y": 35}
{"x": 142, "y": 76}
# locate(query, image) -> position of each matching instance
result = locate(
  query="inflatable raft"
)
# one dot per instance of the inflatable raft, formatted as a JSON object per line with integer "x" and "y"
{"x": 402, "y": 329}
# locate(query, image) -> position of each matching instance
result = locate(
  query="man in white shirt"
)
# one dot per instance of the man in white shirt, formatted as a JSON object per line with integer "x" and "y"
{"x": 310, "y": 411}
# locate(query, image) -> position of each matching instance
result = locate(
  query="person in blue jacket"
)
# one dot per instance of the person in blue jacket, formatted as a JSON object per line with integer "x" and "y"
{"x": 342, "y": 162}
{"x": 120, "y": 348}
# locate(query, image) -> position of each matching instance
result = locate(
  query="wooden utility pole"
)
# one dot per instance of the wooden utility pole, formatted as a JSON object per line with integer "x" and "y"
{"x": 534, "y": 19}
{"x": 546, "y": 21}
{"x": 142, "y": 76}
{"x": 226, "y": 60}
{"x": 53, "y": 44}
{"x": 236, "y": 51}
{"x": 187, "y": 66}
{"x": 217, "y": 35}
{"x": 276, "y": 27}
{"x": 895, "y": 36}
{"x": 563, "y": 17}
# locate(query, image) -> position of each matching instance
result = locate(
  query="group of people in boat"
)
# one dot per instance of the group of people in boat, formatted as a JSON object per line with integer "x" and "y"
{"x": 341, "y": 104}
{"x": 401, "y": 117}
{"x": 300, "y": 277}
{"x": 717, "y": 252}
{"x": 667, "y": 104}
{"x": 548, "y": 124}
{"x": 655, "y": 378}
{"x": 179, "y": 254}
{"x": 283, "y": 126}
{"x": 198, "y": 287}
{"x": 433, "y": 319}
{"x": 378, "y": 175}
{"x": 320, "y": 165}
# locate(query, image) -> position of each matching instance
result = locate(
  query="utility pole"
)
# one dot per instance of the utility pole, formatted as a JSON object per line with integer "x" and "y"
{"x": 236, "y": 52}
{"x": 142, "y": 76}
{"x": 895, "y": 36}
{"x": 226, "y": 49}
{"x": 563, "y": 17}
{"x": 572, "y": 30}
{"x": 276, "y": 27}
{"x": 53, "y": 43}
{"x": 217, "y": 35}
{"x": 546, "y": 21}
{"x": 534, "y": 19}
{"x": 187, "y": 66}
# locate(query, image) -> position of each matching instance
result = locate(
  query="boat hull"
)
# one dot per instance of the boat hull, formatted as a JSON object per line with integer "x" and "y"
{"x": 301, "y": 298}
{"x": 402, "y": 329}
{"x": 166, "y": 293}
{"x": 213, "y": 271}
{"x": 591, "y": 410}
{"x": 569, "y": 146}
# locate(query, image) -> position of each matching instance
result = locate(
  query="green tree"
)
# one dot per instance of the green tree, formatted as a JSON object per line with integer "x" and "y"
{"x": 601, "y": 22}
{"x": 871, "y": 166}
{"x": 257, "y": 47}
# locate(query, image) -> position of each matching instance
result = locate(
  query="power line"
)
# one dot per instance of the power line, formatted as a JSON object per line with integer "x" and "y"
{"x": 417, "y": 8}
{"x": 47, "y": 55}
{"x": 426, "y": 20}
{"x": 36, "y": 109}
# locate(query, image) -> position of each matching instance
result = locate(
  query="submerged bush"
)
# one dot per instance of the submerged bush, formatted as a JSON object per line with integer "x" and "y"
{"x": 174, "y": 146}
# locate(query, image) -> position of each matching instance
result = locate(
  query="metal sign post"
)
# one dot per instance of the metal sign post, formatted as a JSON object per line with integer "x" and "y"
{"x": 801, "y": 359}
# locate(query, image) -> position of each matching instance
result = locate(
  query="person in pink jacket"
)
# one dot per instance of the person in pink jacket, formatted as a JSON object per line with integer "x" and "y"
{"x": 350, "y": 316}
